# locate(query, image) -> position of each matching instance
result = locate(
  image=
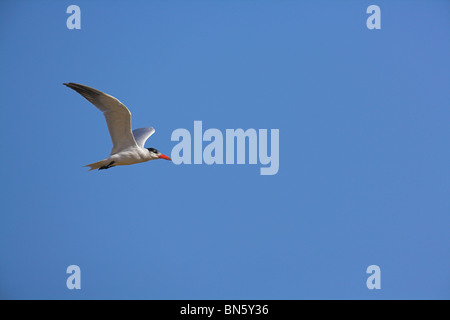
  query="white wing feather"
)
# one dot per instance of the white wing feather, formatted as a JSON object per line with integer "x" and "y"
{"x": 117, "y": 115}
{"x": 142, "y": 134}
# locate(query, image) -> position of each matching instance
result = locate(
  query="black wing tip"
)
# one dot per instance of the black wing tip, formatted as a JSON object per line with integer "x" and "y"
{"x": 78, "y": 87}
{"x": 70, "y": 85}
{"x": 81, "y": 87}
{"x": 87, "y": 92}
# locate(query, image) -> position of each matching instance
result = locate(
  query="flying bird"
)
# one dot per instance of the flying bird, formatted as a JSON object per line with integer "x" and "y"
{"x": 128, "y": 146}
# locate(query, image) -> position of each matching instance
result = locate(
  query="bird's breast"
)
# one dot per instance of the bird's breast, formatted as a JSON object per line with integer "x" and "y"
{"x": 132, "y": 156}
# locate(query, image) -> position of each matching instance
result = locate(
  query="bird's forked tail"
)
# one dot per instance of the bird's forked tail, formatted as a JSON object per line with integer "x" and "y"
{"x": 97, "y": 165}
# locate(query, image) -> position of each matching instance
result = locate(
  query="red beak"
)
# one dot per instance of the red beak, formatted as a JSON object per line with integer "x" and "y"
{"x": 164, "y": 157}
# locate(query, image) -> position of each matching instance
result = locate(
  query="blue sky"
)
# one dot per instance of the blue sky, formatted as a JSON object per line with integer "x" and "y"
{"x": 364, "y": 159}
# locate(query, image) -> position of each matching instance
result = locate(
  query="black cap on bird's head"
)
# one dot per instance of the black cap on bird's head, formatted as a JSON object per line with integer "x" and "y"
{"x": 158, "y": 154}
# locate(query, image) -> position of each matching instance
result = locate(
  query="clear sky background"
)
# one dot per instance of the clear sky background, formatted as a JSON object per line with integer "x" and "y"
{"x": 364, "y": 172}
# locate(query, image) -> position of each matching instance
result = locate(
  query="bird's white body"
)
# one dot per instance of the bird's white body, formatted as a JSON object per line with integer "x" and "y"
{"x": 131, "y": 156}
{"x": 128, "y": 146}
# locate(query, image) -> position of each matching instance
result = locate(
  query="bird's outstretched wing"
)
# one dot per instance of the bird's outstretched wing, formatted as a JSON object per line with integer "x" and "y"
{"x": 142, "y": 134}
{"x": 118, "y": 117}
